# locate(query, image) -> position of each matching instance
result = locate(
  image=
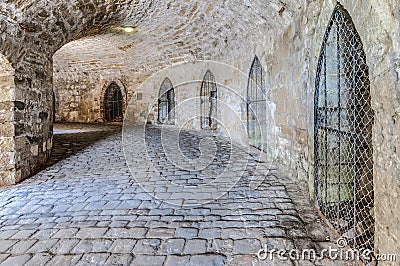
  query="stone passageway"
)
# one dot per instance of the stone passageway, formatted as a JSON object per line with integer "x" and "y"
{"x": 86, "y": 208}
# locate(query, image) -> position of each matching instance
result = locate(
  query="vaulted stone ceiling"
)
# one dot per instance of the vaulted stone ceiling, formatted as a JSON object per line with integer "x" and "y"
{"x": 54, "y": 23}
{"x": 173, "y": 31}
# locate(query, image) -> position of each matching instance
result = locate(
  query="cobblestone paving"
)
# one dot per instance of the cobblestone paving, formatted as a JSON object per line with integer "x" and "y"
{"x": 87, "y": 209}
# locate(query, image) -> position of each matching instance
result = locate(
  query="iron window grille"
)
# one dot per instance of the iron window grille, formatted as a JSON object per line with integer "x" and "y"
{"x": 343, "y": 134}
{"x": 256, "y": 105}
{"x": 166, "y": 103}
{"x": 113, "y": 101}
{"x": 208, "y": 102}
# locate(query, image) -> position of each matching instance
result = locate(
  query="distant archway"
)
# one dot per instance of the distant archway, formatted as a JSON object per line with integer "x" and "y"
{"x": 166, "y": 103}
{"x": 113, "y": 103}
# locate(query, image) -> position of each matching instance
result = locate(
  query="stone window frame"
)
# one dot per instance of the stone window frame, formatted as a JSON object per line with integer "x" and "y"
{"x": 166, "y": 102}
{"x": 256, "y": 96}
{"x": 124, "y": 92}
{"x": 353, "y": 92}
{"x": 208, "y": 102}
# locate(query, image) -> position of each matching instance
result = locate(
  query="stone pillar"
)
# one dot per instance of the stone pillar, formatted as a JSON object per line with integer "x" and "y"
{"x": 8, "y": 174}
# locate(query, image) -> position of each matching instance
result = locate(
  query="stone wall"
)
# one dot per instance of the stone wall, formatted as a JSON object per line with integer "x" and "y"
{"x": 27, "y": 128}
{"x": 294, "y": 63}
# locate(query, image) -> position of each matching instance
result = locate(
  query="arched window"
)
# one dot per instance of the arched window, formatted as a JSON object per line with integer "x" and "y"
{"x": 256, "y": 105}
{"x": 208, "y": 102}
{"x": 343, "y": 133}
{"x": 113, "y": 103}
{"x": 166, "y": 103}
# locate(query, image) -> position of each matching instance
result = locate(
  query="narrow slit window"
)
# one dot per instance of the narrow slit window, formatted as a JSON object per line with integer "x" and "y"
{"x": 256, "y": 105}
{"x": 208, "y": 102}
{"x": 343, "y": 133}
{"x": 166, "y": 103}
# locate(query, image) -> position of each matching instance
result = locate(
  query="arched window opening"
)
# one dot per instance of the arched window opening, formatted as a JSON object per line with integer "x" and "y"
{"x": 343, "y": 133}
{"x": 256, "y": 105}
{"x": 208, "y": 102}
{"x": 166, "y": 103}
{"x": 113, "y": 103}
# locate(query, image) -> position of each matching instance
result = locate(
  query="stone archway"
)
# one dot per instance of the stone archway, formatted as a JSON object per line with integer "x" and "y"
{"x": 103, "y": 97}
{"x": 113, "y": 103}
{"x": 32, "y": 33}
{"x": 208, "y": 98}
{"x": 166, "y": 103}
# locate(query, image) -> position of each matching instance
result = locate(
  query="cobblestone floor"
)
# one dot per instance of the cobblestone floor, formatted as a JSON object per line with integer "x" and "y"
{"x": 86, "y": 208}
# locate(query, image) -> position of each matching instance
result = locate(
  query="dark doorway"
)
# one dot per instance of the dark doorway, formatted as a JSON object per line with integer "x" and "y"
{"x": 113, "y": 101}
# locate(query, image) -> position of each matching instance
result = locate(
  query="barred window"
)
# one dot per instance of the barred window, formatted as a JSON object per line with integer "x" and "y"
{"x": 256, "y": 105}
{"x": 166, "y": 103}
{"x": 343, "y": 133}
{"x": 208, "y": 102}
{"x": 113, "y": 103}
